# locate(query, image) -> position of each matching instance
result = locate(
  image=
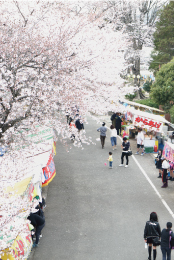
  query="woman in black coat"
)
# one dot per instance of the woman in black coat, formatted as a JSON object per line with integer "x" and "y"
{"x": 118, "y": 122}
{"x": 152, "y": 230}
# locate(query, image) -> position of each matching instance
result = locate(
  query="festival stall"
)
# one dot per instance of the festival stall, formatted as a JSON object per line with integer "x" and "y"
{"x": 18, "y": 188}
{"x": 152, "y": 125}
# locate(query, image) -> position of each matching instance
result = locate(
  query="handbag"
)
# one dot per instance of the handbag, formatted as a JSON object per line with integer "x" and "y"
{"x": 129, "y": 152}
{"x": 156, "y": 241}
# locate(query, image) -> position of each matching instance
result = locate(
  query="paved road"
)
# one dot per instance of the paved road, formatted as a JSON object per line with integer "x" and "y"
{"x": 97, "y": 213}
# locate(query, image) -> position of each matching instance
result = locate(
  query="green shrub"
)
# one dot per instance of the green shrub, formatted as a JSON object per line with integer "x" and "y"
{"x": 147, "y": 86}
{"x": 147, "y": 102}
{"x": 130, "y": 97}
{"x": 171, "y": 111}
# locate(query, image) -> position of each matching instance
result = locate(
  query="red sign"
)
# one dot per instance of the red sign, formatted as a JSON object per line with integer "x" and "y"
{"x": 147, "y": 123}
{"x": 49, "y": 171}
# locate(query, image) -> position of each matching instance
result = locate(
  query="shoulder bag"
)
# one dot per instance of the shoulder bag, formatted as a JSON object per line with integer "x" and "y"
{"x": 156, "y": 241}
{"x": 129, "y": 151}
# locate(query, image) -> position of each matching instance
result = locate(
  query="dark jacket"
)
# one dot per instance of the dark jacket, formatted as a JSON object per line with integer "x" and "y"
{"x": 113, "y": 119}
{"x": 152, "y": 229}
{"x": 165, "y": 237}
{"x": 40, "y": 212}
{"x": 159, "y": 162}
{"x": 79, "y": 125}
{"x": 36, "y": 220}
{"x": 125, "y": 146}
{"x": 118, "y": 122}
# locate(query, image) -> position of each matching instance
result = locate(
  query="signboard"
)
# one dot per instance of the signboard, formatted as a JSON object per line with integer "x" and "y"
{"x": 147, "y": 123}
{"x": 168, "y": 152}
{"x": 49, "y": 171}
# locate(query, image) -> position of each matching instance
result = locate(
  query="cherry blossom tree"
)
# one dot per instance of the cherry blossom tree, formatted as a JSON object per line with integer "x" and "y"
{"x": 52, "y": 57}
{"x": 137, "y": 19}
{"x": 45, "y": 58}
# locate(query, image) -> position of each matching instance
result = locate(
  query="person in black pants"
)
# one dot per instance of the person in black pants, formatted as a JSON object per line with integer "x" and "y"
{"x": 118, "y": 123}
{"x": 38, "y": 222}
{"x": 159, "y": 163}
{"x": 151, "y": 231}
{"x": 125, "y": 147}
{"x": 165, "y": 236}
{"x": 102, "y": 131}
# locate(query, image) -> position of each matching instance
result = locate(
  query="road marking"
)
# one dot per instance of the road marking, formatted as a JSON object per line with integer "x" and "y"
{"x": 153, "y": 186}
{"x": 151, "y": 183}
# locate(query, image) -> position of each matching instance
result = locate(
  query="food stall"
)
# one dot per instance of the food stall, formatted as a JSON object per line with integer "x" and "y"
{"x": 153, "y": 127}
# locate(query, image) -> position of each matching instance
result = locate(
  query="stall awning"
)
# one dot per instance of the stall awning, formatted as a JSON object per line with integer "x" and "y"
{"x": 146, "y": 120}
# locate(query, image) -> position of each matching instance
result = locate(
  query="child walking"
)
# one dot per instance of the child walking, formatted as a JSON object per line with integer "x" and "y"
{"x": 110, "y": 159}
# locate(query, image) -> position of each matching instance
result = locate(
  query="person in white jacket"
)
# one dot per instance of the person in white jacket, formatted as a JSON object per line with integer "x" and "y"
{"x": 113, "y": 136}
{"x": 165, "y": 168}
{"x": 140, "y": 141}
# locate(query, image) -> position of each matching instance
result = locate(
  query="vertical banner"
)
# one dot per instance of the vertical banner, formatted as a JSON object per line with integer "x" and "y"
{"x": 49, "y": 171}
{"x": 168, "y": 152}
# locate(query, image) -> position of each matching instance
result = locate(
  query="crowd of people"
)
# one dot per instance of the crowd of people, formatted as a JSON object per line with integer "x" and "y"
{"x": 74, "y": 120}
{"x": 113, "y": 137}
{"x": 153, "y": 237}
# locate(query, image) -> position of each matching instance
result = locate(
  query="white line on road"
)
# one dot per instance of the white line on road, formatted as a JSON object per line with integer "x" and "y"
{"x": 151, "y": 183}
{"x": 153, "y": 186}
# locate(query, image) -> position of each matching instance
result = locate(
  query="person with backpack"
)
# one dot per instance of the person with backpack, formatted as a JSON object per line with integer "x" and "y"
{"x": 166, "y": 236}
{"x": 152, "y": 231}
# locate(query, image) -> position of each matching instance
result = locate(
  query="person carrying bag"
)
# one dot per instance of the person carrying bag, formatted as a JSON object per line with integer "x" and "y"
{"x": 152, "y": 234}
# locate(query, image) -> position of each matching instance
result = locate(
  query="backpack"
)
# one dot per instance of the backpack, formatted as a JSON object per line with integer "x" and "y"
{"x": 171, "y": 241}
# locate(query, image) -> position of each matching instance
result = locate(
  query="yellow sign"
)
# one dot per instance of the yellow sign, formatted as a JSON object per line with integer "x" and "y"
{"x": 19, "y": 187}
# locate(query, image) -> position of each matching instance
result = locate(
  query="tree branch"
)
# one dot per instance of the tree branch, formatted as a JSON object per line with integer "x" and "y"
{"x": 25, "y": 20}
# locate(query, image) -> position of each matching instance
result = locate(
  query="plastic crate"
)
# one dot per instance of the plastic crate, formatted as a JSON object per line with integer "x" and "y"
{"x": 149, "y": 149}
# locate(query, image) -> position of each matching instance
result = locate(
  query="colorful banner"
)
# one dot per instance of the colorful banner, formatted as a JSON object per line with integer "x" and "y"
{"x": 20, "y": 248}
{"x": 54, "y": 148}
{"x": 19, "y": 187}
{"x": 147, "y": 123}
{"x": 168, "y": 152}
{"x": 49, "y": 171}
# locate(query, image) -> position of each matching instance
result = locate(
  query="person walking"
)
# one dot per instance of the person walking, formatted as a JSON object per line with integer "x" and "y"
{"x": 110, "y": 159}
{"x": 79, "y": 125}
{"x": 113, "y": 119}
{"x": 152, "y": 230}
{"x": 125, "y": 147}
{"x": 165, "y": 238}
{"x": 113, "y": 136}
{"x": 140, "y": 141}
{"x": 102, "y": 131}
{"x": 118, "y": 122}
{"x": 165, "y": 168}
{"x": 72, "y": 129}
{"x": 159, "y": 163}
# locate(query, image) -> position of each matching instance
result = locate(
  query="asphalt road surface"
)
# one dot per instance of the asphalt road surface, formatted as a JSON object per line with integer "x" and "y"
{"x": 97, "y": 213}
